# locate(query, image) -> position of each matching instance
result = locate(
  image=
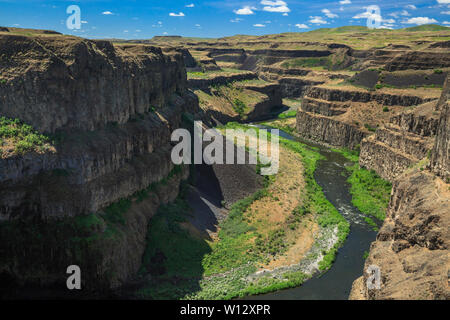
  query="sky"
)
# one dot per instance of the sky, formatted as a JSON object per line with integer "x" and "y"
{"x": 143, "y": 19}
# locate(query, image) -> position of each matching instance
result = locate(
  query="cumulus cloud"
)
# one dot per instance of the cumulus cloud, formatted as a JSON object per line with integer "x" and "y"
{"x": 443, "y": 1}
{"x": 345, "y": 2}
{"x": 180, "y": 14}
{"x": 107, "y": 13}
{"x": 420, "y": 20}
{"x": 411, "y": 6}
{"x": 190, "y": 5}
{"x": 317, "y": 20}
{"x": 301, "y": 26}
{"x": 259, "y": 25}
{"x": 446, "y": 22}
{"x": 275, "y": 6}
{"x": 445, "y": 12}
{"x": 329, "y": 14}
{"x": 247, "y": 10}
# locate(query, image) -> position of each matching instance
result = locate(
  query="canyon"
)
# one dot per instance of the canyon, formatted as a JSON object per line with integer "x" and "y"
{"x": 105, "y": 176}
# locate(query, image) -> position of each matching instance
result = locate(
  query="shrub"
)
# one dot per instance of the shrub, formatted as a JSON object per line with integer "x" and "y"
{"x": 385, "y": 109}
{"x": 239, "y": 107}
{"x": 438, "y": 71}
{"x": 23, "y": 136}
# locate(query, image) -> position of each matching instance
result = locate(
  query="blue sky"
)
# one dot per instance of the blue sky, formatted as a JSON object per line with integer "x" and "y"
{"x": 139, "y": 19}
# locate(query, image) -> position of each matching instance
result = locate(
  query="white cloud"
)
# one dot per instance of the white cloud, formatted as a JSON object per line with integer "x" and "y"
{"x": 190, "y": 5}
{"x": 237, "y": 20}
{"x": 329, "y": 14}
{"x": 446, "y": 22}
{"x": 345, "y": 2}
{"x": 405, "y": 13}
{"x": 420, "y": 20}
{"x": 275, "y": 6}
{"x": 281, "y": 9}
{"x": 366, "y": 15}
{"x": 273, "y": 3}
{"x": 301, "y": 26}
{"x": 259, "y": 25}
{"x": 443, "y": 1}
{"x": 107, "y": 13}
{"x": 317, "y": 20}
{"x": 445, "y": 12}
{"x": 83, "y": 21}
{"x": 411, "y": 6}
{"x": 285, "y": 14}
{"x": 180, "y": 14}
{"x": 245, "y": 11}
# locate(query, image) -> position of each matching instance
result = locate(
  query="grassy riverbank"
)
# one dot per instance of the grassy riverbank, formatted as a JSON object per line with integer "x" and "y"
{"x": 370, "y": 193}
{"x": 269, "y": 230}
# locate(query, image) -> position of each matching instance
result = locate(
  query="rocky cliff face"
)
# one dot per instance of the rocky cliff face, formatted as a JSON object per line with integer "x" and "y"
{"x": 329, "y": 131}
{"x": 440, "y": 162}
{"x": 80, "y": 84}
{"x": 411, "y": 250}
{"x": 113, "y": 109}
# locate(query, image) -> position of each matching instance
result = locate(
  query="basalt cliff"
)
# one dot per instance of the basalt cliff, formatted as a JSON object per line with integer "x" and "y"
{"x": 110, "y": 111}
{"x": 411, "y": 250}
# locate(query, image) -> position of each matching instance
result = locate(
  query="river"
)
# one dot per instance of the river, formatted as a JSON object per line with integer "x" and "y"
{"x": 336, "y": 283}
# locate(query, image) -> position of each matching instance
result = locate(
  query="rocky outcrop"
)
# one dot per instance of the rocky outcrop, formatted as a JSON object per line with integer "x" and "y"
{"x": 400, "y": 144}
{"x": 421, "y": 121}
{"x": 440, "y": 163}
{"x": 327, "y": 130}
{"x": 411, "y": 250}
{"x": 419, "y": 60}
{"x": 220, "y": 80}
{"x": 331, "y": 94}
{"x": 407, "y": 139}
{"x": 56, "y": 84}
{"x": 323, "y": 107}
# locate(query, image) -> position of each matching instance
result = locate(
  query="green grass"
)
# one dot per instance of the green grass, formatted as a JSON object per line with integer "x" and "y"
{"x": 288, "y": 114}
{"x": 24, "y": 138}
{"x": 370, "y": 193}
{"x": 427, "y": 27}
{"x": 240, "y": 107}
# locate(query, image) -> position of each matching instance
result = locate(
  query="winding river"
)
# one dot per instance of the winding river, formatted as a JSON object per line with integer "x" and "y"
{"x": 335, "y": 284}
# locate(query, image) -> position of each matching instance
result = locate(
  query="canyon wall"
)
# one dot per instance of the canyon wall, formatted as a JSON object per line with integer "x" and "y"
{"x": 111, "y": 111}
{"x": 411, "y": 250}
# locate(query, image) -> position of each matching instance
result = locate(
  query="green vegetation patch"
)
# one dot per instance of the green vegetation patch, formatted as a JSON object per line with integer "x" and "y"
{"x": 22, "y": 137}
{"x": 288, "y": 114}
{"x": 370, "y": 193}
